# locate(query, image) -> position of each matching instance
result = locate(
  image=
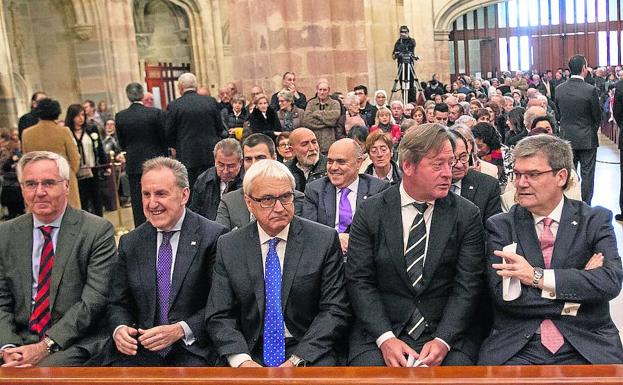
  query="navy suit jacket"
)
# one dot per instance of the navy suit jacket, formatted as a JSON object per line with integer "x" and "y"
{"x": 483, "y": 191}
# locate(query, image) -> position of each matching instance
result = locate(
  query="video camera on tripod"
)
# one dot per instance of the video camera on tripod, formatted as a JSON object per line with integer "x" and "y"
{"x": 406, "y": 80}
{"x": 405, "y": 57}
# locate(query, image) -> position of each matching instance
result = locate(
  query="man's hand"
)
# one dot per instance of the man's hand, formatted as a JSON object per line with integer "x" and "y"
{"x": 125, "y": 339}
{"x": 250, "y": 364}
{"x": 160, "y": 337}
{"x": 30, "y": 354}
{"x": 10, "y": 357}
{"x": 394, "y": 352}
{"x": 597, "y": 260}
{"x": 287, "y": 364}
{"x": 343, "y": 242}
{"x": 516, "y": 266}
{"x": 433, "y": 353}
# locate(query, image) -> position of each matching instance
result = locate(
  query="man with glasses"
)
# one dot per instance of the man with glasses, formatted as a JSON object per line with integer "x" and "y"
{"x": 278, "y": 296}
{"x": 218, "y": 180}
{"x": 478, "y": 188}
{"x": 55, "y": 268}
{"x": 553, "y": 267}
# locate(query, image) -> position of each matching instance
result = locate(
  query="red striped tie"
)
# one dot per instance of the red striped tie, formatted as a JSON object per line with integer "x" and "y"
{"x": 551, "y": 337}
{"x": 40, "y": 317}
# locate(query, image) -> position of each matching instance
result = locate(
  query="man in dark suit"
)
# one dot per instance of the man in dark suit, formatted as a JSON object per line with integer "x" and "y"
{"x": 580, "y": 116}
{"x": 617, "y": 113}
{"x": 553, "y": 268}
{"x": 30, "y": 118}
{"x": 333, "y": 200}
{"x": 163, "y": 277}
{"x": 278, "y": 296}
{"x": 218, "y": 180}
{"x": 416, "y": 263}
{"x": 141, "y": 134}
{"x": 478, "y": 188}
{"x": 308, "y": 163}
{"x": 193, "y": 126}
{"x": 232, "y": 212}
{"x": 55, "y": 266}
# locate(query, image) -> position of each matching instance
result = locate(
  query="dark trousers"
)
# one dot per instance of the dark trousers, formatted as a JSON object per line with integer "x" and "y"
{"x": 91, "y": 195}
{"x": 534, "y": 353}
{"x": 137, "y": 202}
{"x": 291, "y": 345}
{"x": 177, "y": 357}
{"x": 587, "y": 160}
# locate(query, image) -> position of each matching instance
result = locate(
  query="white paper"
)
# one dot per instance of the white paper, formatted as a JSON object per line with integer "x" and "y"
{"x": 511, "y": 287}
{"x": 413, "y": 363}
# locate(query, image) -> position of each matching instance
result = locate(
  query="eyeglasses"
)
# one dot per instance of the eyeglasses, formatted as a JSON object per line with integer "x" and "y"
{"x": 463, "y": 158}
{"x": 269, "y": 201}
{"x": 284, "y": 145}
{"x": 530, "y": 176}
{"x": 46, "y": 184}
{"x": 379, "y": 150}
{"x": 230, "y": 167}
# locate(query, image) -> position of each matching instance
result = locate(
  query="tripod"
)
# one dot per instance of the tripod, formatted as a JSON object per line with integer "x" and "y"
{"x": 406, "y": 82}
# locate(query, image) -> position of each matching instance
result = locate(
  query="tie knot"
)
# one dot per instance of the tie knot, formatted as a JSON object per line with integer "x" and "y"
{"x": 46, "y": 230}
{"x": 547, "y": 222}
{"x": 272, "y": 243}
{"x": 166, "y": 236}
{"x": 345, "y": 191}
{"x": 421, "y": 207}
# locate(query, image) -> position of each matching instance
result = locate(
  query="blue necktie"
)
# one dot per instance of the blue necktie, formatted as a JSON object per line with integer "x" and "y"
{"x": 274, "y": 349}
{"x": 163, "y": 269}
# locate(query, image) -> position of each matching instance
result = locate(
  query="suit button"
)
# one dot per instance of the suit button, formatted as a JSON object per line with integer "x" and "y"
{"x": 426, "y": 324}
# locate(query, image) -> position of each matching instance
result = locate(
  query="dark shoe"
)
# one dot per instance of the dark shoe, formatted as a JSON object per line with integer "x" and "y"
{"x": 618, "y": 217}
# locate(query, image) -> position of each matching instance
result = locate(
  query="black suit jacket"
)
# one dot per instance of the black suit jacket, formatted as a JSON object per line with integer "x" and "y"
{"x": 580, "y": 113}
{"x": 583, "y": 230}
{"x": 320, "y": 197}
{"x": 194, "y": 126}
{"x": 617, "y": 110}
{"x": 134, "y": 298}
{"x": 382, "y": 296}
{"x": 483, "y": 191}
{"x": 141, "y": 134}
{"x": 206, "y": 195}
{"x": 314, "y": 302}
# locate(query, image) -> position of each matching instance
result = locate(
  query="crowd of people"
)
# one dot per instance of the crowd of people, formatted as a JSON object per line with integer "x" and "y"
{"x": 331, "y": 230}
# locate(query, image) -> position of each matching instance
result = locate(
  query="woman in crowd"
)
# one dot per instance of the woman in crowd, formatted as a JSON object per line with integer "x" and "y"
{"x": 407, "y": 112}
{"x": 237, "y": 116}
{"x": 284, "y": 150}
{"x": 542, "y": 125}
{"x": 105, "y": 113}
{"x": 475, "y": 162}
{"x": 430, "y": 113}
{"x": 474, "y": 106}
{"x": 380, "y": 99}
{"x": 290, "y": 116}
{"x": 264, "y": 119}
{"x": 419, "y": 115}
{"x": 383, "y": 123}
{"x": 92, "y": 155}
{"x": 350, "y": 118}
{"x": 516, "y": 129}
{"x": 489, "y": 146}
{"x": 379, "y": 147}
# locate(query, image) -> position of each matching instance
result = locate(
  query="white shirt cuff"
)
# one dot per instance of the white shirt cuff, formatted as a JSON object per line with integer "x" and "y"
{"x": 444, "y": 342}
{"x": 570, "y": 309}
{"x": 189, "y": 336}
{"x": 549, "y": 284}
{"x": 115, "y": 331}
{"x": 6, "y": 347}
{"x": 235, "y": 360}
{"x": 384, "y": 337}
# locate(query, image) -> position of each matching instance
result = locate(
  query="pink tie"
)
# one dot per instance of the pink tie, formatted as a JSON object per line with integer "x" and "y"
{"x": 551, "y": 337}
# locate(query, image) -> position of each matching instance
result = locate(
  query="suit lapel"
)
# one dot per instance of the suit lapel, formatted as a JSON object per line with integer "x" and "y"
{"x": 362, "y": 191}
{"x": 468, "y": 187}
{"x": 442, "y": 222}
{"x": 254, "y": 264}
{"x": 328, "y": 197}
{"x": 145, "y": 264}
{"x": 567, "y": 228}
{"x": 294, "y": 250}
{"x": 527, "y": 238}
{"x": 22, "y": 247}
{"x": 187, "y": 248}
{"x": 67, "y": 236}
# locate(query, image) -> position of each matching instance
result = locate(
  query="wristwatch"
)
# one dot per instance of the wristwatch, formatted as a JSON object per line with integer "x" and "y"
{"x": 51, "y": 346}
{"x": 296, "y": 360}
{"x": 536, "y": 276}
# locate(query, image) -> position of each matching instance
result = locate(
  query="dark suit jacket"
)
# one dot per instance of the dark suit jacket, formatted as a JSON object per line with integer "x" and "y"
{"x": 194, "y": 126}
{"x": 314, "y": 302}
{"x": 617, "y": 110}
{"x": 134, "y": 298}
{"x": 382, "y": 296}
{"x": 83, "y": 263}
{"x": 580, "y": 113}
{"x": 483, "y": 191}
{"x": 320, "y": 197}
{"x": 583, "y": 230}
{"x": 206, "y": 195}
{"x": 233, "y": 213}
{"x": 141, "y": 134}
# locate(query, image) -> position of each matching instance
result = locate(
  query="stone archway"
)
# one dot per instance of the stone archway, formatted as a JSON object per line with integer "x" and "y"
{"x": 451, "y": 10}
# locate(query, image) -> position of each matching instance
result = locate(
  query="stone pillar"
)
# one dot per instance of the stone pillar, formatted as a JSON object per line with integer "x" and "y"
{"x": 8, "y": 111}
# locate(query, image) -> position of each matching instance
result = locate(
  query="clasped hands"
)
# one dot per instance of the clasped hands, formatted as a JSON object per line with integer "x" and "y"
{"x": 395, "y": 353}
{"x": 155, "y": 339}
{"x": 24, "y": 356}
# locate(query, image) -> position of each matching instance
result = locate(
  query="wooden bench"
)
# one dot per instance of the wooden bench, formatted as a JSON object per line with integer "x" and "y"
{"x": 559, "y": 375}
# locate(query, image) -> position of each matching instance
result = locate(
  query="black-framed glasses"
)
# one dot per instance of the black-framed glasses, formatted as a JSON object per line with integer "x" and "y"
{"x": 269, "y": 201}
{"x": 45, "y": 184}
{"x": 463, "y": 158}
{"x": 530, "y": 176}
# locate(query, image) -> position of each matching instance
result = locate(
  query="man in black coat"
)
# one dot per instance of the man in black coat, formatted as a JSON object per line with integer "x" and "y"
{"x": 29, "y": 119}
{"x": 141, "y": 133}
{"x": 580, "y": 117}
{"x": 617, "y": 112}
{"x": 193, "y": 126}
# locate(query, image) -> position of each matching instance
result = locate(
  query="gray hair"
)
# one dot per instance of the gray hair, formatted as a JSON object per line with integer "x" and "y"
{"x": 178, "y": 169}
{"x": 36, "y": 156}
{"x": 187, "y": 81}
{"x": 531, "y": 113}
{"x": 266, "y": 168}
{"x": 135, "y": 92}
{"x": 465, "y": 119}
{"x": 287, "y": 95}
{"x": 417, "y": 143}
{"x": 228, "y": 146}
{"x": 557, "y": 151}
{"x": 391, "y": 104}
{"x": 350, "y": 99}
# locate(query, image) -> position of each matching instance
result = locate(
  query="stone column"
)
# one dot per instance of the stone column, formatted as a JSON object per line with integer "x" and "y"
{"x": 8, "y": 111}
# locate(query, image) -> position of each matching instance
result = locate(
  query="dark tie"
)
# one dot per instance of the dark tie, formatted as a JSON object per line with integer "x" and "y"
{"x": 40, "y": 318}
{"x": 346, "y": 212}
{"x": 274, "y": 349}
{"x": 551, "y": 337}
{"x": 163, "y": 270}
{"x": 414, "y": 258}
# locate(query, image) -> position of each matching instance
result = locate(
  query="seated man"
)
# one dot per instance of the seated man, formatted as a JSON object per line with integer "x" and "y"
{"x": 223, "y": 177}
{"x": 333, "y": 200}
{"x": 232, "y": 211}
{"x": 278, "y": 296}
{"x": 559, "y": 259}
{"x": 161, "y": 283}
{"x": 308, "y": 163}
{"x": 55, "y": 268}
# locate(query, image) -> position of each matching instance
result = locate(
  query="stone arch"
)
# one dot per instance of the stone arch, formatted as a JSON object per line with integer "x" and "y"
{"x": 451, "y": 10}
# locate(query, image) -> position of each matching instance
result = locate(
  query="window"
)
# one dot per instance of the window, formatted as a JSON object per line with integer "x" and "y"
{"x": 614, "y": 48}
{"x": 513, "y": 44}
{"x": 590, "y": 11}
{"x": 555, "y": 12}
{"x": 503, "y": 54}
{"x": 534, "y": 13}
{"x": 502, "y": 15}
{"x": 570, "y": 11}
{"x": 512, "y": 13}
{"x": 525, "y": 53}
{"x": 544, "y": 12}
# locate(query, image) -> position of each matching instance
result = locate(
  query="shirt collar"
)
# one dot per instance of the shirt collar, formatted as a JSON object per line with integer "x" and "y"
{"x": 352, "y": 187}
{"x": 264, "y": 237}
{"x": 55, "y": 223}
{"x": 554, "y": 215}
{"x": 406, "y": 199}
{"x": 458, "y": 183}
{"x": 577, "y": 77}
{"x": 178, "y": 225}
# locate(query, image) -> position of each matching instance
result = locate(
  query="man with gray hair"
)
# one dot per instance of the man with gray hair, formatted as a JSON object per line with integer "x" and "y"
{"x": 55, "y": 268}
{"x": 161, "y": 283}
{"x": 193, "y": 127}
{"x": 277, "y": 259}
{"x": 140, "y": 130}
{"x": 555, "y": 268}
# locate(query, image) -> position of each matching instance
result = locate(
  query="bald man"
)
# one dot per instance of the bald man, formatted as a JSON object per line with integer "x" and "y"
{"x": 333, "y": 199}
{"x": 308, "y": 163}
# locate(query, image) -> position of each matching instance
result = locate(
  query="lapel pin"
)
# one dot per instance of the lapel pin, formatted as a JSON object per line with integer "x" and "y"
{"x": 365, "y": 197}
{"x": 574, "y": 223}
{"x": 471, "y": 187}
{"x": 193, "y": 243}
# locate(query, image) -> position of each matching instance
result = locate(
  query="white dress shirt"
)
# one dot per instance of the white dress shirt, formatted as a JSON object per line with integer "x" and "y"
{"x": 390, "y": 174}
{"x": 352, "y": 199}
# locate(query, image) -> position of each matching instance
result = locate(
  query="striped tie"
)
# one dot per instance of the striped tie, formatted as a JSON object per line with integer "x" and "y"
{"x": 414, "y": 257}
{"x": 40, "y": 318}
{"x": 551, "y": 337}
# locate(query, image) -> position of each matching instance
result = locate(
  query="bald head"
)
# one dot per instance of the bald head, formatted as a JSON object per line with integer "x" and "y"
{"x": 343, "y": 161}
{"x": 305, "y": 146}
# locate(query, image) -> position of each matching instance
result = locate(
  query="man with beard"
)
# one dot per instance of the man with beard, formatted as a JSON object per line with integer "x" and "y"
{"x": 308, "y": 163}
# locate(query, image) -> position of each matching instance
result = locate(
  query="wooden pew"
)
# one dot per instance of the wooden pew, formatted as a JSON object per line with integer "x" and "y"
{"x": 558, "y": 375}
